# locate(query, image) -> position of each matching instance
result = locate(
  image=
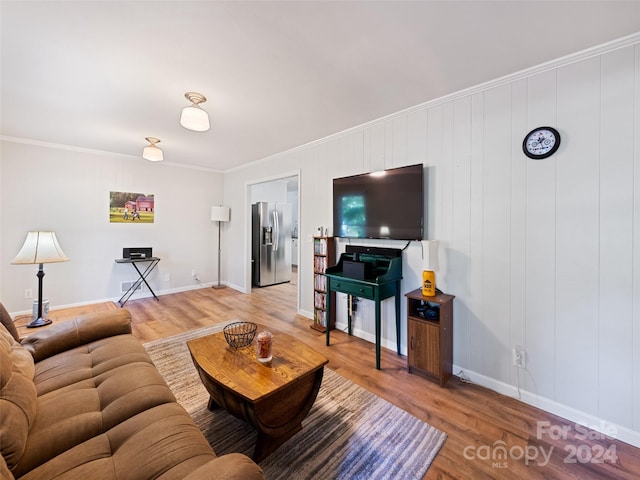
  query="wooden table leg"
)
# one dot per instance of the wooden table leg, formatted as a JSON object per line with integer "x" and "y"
{"x": 213, "y": 405}
{"x": 266, "y": 445}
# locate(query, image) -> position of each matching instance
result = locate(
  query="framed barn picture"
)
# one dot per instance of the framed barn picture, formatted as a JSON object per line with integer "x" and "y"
{"x": 129, "y": 207}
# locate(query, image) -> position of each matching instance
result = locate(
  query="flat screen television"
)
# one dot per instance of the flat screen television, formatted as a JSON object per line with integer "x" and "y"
{"x": 385, "y": 205}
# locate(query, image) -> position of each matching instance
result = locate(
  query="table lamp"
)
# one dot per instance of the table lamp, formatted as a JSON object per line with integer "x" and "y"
{"x": 219, "y": 214}
{"x": 40, "y": 248}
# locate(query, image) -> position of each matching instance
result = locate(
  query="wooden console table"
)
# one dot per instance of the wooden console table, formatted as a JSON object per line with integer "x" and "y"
{"x": 382, "y": 269}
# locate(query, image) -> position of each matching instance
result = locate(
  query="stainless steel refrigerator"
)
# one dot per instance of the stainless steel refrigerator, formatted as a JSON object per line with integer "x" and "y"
{"x": 271, "y": 243}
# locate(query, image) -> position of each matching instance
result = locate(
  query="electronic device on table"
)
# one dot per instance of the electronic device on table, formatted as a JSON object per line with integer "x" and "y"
{"x": 137, "y": 253}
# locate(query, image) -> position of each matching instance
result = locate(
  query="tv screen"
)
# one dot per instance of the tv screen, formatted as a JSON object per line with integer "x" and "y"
{"x": 386, "y": 204}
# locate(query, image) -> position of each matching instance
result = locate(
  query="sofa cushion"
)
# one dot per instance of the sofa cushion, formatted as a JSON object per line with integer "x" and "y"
{"x": 68, "y": 334}
{"x": 84, "y": 392}
{"x": 5, "y": 473}
{"x": 231, "y": 465}
{"x": 69, "y": 368}
{"x": 160, "y": 443}
{"x": 7, "y": 321}
{"x": 17, "y": 399}
{"x": 22, "y": 360}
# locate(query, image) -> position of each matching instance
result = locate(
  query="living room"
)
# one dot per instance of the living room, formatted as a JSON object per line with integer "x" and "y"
{"x": 542, "y": 254}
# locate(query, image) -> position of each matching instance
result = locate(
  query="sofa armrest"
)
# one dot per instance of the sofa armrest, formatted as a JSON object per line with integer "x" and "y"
{"x": 233, "y": 466}
{"x": 69, "y": 334}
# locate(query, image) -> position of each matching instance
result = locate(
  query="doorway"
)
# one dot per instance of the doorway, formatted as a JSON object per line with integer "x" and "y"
{"x": 282, "y": 189}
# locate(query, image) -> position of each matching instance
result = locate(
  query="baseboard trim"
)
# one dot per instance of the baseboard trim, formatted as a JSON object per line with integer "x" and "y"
{"x": 593, "y": 422}
{"x": 370, "y": 337}
{"x": 145, "y": 293}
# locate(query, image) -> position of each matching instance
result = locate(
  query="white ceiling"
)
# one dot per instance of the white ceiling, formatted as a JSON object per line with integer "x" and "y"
{"x": 104, "y": 75}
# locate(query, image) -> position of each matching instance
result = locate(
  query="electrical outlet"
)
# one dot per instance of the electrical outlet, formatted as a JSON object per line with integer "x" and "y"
{"x": 28, "y": 293}
{"x": 518, "y": 356}
{"x": 194, "y": 274}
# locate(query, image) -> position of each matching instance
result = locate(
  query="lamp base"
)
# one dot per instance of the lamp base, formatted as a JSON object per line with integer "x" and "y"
{"x": 219, "y": 286}
{"x": 39, "y": 322}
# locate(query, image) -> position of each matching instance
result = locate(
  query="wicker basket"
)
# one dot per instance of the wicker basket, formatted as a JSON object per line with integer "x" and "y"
{"x": 240, "y": 334}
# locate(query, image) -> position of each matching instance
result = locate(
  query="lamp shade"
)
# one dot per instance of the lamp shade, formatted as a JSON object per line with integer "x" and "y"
{"x": 220, "y": 214}
{"x": 40, "y": 247}
{"x": 152, "y": 152}
{"x": 430, "y": 255}
{"x": 194, "y": 118}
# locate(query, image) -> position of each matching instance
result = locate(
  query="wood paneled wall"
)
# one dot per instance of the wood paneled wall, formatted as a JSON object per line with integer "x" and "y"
{"x": 543, "y": 254}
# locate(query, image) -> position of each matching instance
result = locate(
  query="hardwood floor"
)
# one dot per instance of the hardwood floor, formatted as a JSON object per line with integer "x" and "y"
{"x": 478, "y": 422}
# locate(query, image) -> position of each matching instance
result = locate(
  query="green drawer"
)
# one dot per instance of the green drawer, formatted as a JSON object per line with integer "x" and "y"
{"x": 359, "y": 290}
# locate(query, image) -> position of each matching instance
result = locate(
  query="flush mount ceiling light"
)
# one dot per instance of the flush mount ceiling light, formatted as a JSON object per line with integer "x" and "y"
{"x": 193, "y": 117}
{"x": 152, "y": 152}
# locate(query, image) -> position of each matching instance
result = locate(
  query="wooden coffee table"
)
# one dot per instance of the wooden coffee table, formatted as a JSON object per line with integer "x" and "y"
{"x": 273, "y": 398}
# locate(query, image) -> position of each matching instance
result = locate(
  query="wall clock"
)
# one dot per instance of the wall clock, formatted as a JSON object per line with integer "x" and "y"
{"x": 541, "y": 142}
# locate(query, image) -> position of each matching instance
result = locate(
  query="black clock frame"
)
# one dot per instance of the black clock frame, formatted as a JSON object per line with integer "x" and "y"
{"x": 544, "y": 155}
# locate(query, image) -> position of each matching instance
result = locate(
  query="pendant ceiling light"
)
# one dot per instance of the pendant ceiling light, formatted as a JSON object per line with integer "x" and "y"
{"x": 193, "y": 117}
{"x": 152, "y": 152}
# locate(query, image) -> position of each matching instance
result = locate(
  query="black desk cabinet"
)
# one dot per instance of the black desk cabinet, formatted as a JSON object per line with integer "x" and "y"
{"x": 430, "y": 342}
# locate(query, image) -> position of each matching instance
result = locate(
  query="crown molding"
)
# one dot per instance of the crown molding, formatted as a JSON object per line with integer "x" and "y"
{"x": 91, "y": 151}
{"x": 500, "y": 81}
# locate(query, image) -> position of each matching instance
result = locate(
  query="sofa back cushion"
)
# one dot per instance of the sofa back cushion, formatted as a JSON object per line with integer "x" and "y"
{"x": 17, "y": 398}
{"x": 5, "y": 473}
{"x": 7, "y": 321}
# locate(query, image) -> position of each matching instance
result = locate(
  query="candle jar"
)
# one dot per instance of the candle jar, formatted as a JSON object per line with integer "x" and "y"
{"x": 264, "y": 347}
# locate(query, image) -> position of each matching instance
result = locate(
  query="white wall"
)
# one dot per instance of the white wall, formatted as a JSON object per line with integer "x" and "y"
{"x": 544, "y": 254}
{"x": 68, "y": 191}
{"x": 275, "y": 191}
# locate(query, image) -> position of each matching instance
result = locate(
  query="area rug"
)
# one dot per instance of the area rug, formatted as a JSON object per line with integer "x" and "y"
{"x": 350, "y": 433}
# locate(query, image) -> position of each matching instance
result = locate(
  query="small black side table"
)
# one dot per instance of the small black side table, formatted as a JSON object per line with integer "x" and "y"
{"x": 153, "y": 262}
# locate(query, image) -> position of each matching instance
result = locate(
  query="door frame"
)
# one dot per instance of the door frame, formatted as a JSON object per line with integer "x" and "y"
{"x": 248, "y": 229}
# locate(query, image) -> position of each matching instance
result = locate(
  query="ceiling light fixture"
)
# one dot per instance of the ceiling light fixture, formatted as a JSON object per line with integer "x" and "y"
{"x": 152, "y": 152}
{"x": 193, "y": 117}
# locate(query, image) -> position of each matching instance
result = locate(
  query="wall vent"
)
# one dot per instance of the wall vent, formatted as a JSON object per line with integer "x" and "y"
{"x": 125, "y": 286}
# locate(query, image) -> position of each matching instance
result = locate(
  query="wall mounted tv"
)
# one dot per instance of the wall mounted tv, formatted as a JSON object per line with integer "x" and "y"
{"x": 386, "y": 204}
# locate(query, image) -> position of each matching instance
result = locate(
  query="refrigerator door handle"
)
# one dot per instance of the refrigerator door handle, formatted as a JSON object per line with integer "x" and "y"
{"x": 276, "y": 228}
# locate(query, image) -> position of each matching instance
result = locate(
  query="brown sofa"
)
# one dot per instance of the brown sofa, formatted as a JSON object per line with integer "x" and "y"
{"x": 82, "y": 399}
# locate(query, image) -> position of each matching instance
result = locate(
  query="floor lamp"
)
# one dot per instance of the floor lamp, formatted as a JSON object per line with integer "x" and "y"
{"x": 40, "y": 248}
{"x": 219, "y": 214}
